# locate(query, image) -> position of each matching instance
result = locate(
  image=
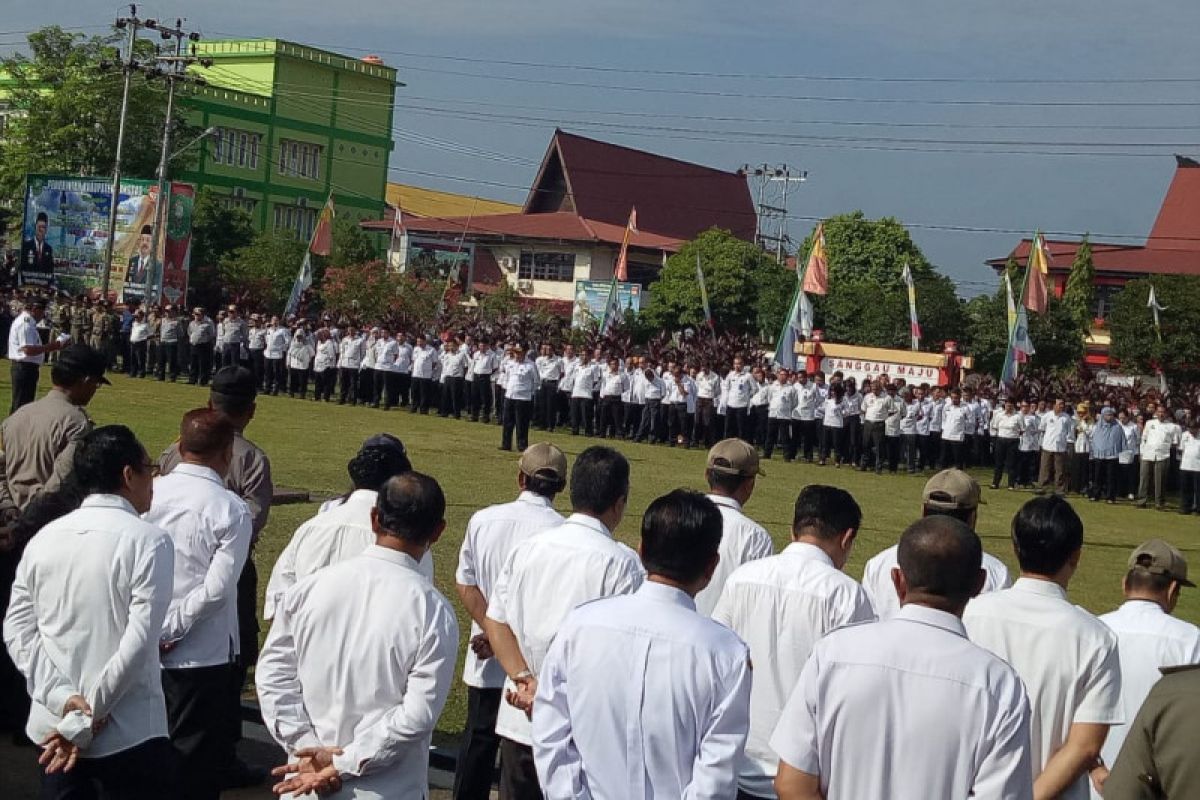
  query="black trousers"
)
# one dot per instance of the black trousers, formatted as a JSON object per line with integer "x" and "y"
{"x": 168, "y": 360}
{"x": 779, "y": 433}
{"x": 833, "y": 440}
{"x": 200, "y": 367}
{"x": 547, "y": 400}
{"x": 737, "y": 424}
{"x": 1006, "y": 460}
{"x": 323, "y": 383}
{"x": 581, "y": 412}
{"x": 1106, "y": 477}
{"x": 704, "y": 431}
{"x": 422, "y": 394}
{"x": 758, "y": 425}
{"x": 137, "y": 352}
{"x": 143, "y": 772}
{"x": 197, "y": 711}
{"x": 24, "y": 384}
{"x": 481, "y": 390}
{"x": 247, "y": 615}
{"x": 384, "y": 393}
{"x": 872, "y": 449}
{"x": 855, "y": 427}
{"x": 478, "y": 746}
{"x": 611, "y": 415}
{"x": 518, "y": 777}
{"x": 365, "y": 381}
{"x": 297, "y": 382}
{"x": 804, "y": 437}
{"x": 403, "y": 388}
{"x": 231, "y": 355}
{"x": 276, "y": 377}
{"x": 912, "y": 452}
{"x": 953, "y": 455}
{"x": 456, "y": 388}
{"x": 516, "y": 418}
{"x": 934, "y": 455}
{"x": 891, "y": 448}
{"x": 648, "y": 427}
{"x": 348, "y": 385}
{"x": 1189, "y": 491}
{"x": 678, "y": 423}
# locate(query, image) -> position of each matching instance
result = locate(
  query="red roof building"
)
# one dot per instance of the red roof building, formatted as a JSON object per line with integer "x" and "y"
{"x": 573, "y": 221}
{"x": 1172, "y": 248}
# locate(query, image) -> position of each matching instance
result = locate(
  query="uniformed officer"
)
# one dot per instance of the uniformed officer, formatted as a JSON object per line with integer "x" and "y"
{"x": 233, "y": 395}
{"x": 39, "y": 442}
{"x": 26, "y": 351}
{"x": 1159, "y": 756}
{"x": 81, "y": 321}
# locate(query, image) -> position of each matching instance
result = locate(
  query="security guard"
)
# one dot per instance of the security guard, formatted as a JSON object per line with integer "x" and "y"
{"x": 81, "y": 321}
{"x": 39, "y": 443}
{"x": 233, "y": 395}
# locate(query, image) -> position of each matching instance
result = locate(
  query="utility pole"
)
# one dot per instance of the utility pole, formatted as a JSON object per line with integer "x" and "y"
{"x": 174, "y": 69}
{"x": 128, "y": 65}
{"x": 771, "y": 210}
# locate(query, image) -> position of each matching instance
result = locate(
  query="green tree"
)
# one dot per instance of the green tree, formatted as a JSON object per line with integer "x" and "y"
{"x": 1080, "y": 294}
{"x": 867, "y": 302}
{"x": 1055, "y": 335}
{"x": 263, "y": 270}
{"x": 1136, "y": 345}
{"x": 217, "y": 230}
{"x": 364, "y": 292}
{"x": 69, "y": 110}
{"x": 744, "y": 285}
{"x": 351, "y": 244}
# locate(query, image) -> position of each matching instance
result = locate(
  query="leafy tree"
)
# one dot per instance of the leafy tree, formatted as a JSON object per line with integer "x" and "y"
{"x": 351, "y": 244}
{"x": 503, "y": 302}
{"x": 1135, "y": 343}
{"x": 1055, "y": 335}
{"x": 1080, "y": 294}
{"x": 867, "y": 302}
{"x": 743, "y": 283}
{"x": 364, "y": 292}
{"x": 217, "y": 230}
{"x": 69, "y": 109}
{"x": 263, "y": 272}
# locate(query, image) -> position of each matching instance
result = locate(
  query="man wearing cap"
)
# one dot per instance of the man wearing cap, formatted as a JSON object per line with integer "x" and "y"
{"x": 908, "y": 707}
{"x": 1067, "y": 658}
{"x": 233, "y": 395}
{"x": 202, "y": 335}
{"x": 1148, "y": 636}
{"x": 492, "y": 534}
{"x": 782, "y": 605}
{"x": 27, "y": 353}
{"x": 519, "y": 387}
{"x": 731, "y": 474}
{"x": 234, "y": 336}
{"x": 342, "y": 527}
{"x": 545, "y": 577}
{"x": 952, "y": 493}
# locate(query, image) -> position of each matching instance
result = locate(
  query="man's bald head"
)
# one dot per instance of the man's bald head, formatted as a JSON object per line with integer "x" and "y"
{"x": 410, "y": 507}
{"x": 940, "y": 558}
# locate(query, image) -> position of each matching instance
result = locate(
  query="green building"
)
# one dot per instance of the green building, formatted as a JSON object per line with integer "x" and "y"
{"x": 296, "y": 123}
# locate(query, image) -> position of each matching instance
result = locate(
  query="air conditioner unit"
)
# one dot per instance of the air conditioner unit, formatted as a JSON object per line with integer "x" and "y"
{"x": 525, "y": 286}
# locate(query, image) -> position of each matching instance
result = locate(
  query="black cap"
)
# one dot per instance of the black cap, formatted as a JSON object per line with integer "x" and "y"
{"x": 147, "y": 230}
{"x": 235, "y": 382}
{"x": 83, "y": 360}
{"x": 393, "y": 447}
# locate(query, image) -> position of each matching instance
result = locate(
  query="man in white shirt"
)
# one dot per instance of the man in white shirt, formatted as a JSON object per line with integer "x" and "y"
{"x": 550, "y": 371}
{"x": 586, "y": 384}
{"x": 781, "y": 402}
{"x": 1158, "y": 436}
{"x": 954, "y": 416}
{"x": 545, "y": 577}
{"x": 278, "y": 339}
{"x": 27, "y": 353}
{"x": 342, "y": 528}
{"x": 455, "y": 364}
{"x": 384, "y": 367}
{"x": 1148, "y": 636}
{"x": 614, "y": 382}
{"x": 681, "y": 394}
{"x": 350, "y": 357}
{"x": 739, "y": 387}
{"x": 782, "y": 605}
{"x": 423, "y": 358}
{"x": 804, "y": 426}
{"x": 732, "y": 472}
{"x": 360, "y": 659}
{"x": 492, "y": 534}
{"x": 674, "y": 723}
{"x": 1006, "y": 429}
{"x": 1056, "y": 427}
{"x": 519, "y": 388}
{"x": 1066, "y": 657}
{"x": 483, "y": 363}
{"x": 953, "y": 493}
{"x": 403, "y": 369}
{"x": 82, "y": 626}
{"x": 211, "y": 529}
{"x": 708, "y": 393}
{"x": 876, "y": 407}
{"x": 908, "y": 707}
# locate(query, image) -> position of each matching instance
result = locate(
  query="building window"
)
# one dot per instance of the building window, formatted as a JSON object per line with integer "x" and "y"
{"x": 237, "y": 199}
{"x": 300, "y": 221}
{"x": 236, "y": 148}
{"x": 547, "y": 266}
{"x": 301, "y": 159}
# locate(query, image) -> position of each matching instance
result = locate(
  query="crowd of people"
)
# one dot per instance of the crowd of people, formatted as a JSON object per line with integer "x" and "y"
{"x": 701, "y": 664}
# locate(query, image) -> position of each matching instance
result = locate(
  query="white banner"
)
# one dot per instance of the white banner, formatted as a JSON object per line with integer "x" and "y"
{"x": 860, "y": 370}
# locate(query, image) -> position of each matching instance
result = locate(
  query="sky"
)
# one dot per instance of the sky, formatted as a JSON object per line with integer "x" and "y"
{"x": 973, "y": 123}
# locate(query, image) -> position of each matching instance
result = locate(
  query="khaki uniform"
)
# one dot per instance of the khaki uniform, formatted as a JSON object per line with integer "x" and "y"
{"x": 96, "y": 334}
{"x": 81, "y": 324}
{"x": 1158, "y": 759}
{"x": 39, "y": 443}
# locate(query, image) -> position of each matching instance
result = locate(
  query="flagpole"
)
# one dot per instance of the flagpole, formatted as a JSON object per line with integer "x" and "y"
{"x": 1012, "y": 329}
{"x": 613, "y": 293}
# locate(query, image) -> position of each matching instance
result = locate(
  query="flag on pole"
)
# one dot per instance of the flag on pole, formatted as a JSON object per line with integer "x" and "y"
{"x": 1012, "y": 304}
{"x": 612, "y": 307}
{"x": 708, "y": 320}
{"x": 1155, "y": 307}
{"x": 1037, "y": 272}
{"x": 816, "y": 272}
{"x": 396, "y": 239}
{"x": 1019, "y": 350}
{"x": 914, "y": 325}
{"x": 319, "y": 244}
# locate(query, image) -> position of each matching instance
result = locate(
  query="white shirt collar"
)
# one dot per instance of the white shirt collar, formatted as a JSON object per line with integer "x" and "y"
{"x": 199, "y": 471}
{"x": 1140, "y": 606}
{"x": 391, "y": 556}
{"x": 809, "y": 552}
{"x": 108, "y": 501}
{"x": 591, "y": 523}
{"x": 1040, "y": 587}
{"x": 931, "y": 616}
{"x": 533, "y": 498}
{"x": 661, "y": 593}
{"x": 728, "y": 502}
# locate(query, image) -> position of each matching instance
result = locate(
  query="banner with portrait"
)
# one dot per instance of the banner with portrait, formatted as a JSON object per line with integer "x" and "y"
{"x": 591, "y": 297}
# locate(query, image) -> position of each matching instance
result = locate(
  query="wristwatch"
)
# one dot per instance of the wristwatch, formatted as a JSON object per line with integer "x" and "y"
{"x": 520, "y": 676}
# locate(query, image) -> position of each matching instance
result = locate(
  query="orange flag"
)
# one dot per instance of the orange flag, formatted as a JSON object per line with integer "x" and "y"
{"x": 322, "y": 237}
{"x": 621, "y": 273}
{"x": 816, "y": 274}
{"x": 1038, "y": 270}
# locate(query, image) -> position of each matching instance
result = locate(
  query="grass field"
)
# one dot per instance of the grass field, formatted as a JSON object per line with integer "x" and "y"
{"x": 310, "y": 443}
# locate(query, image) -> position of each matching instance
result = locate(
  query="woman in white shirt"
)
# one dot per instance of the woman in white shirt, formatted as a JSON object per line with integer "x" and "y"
{"x": 1080, "y": 459}
{"x": 1189, "y": 469}
{"x": 1127, "y": 459}
{"x": 299, "y": 359}
{"x": 139, "y": 340}
{"x": 833, "y": 425}
{"x": 324, "y": 366}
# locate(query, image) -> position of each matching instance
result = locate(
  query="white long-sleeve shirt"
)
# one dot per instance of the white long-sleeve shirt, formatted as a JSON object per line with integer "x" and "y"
{"x": 586, "y": 381}
{"x": 1054, "y": 428}
{"x": 87, "y": 605}
{"x": 335, "y": 534}
{"x": 545, "y": 577}
{"x": 300, "y": 355}
{"x": 492, "y": 534}
{"x": 211, "y": 529}
{"x": 521, "y": 381}
{"x": 423, "y": 359}
{"x": 351, "y": 351}
{"x": 781, "y": 606}
{"x": 1157, "y": 439}
{"x": 326, "y": 357}
{"x": 674, "y": 723}
{"x": 742, "y": 540}
{"x": 361, "y": 657}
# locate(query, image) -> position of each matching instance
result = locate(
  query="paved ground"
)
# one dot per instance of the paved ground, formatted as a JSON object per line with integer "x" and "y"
{"x": 19, "y": 773}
